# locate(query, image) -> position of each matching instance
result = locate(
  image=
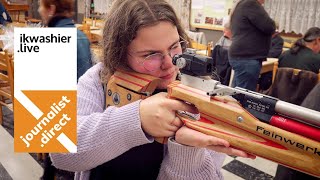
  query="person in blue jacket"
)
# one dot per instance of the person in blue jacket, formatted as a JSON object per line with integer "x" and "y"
{"x": 4, "y": 15}
{"x": 58, "y": 13}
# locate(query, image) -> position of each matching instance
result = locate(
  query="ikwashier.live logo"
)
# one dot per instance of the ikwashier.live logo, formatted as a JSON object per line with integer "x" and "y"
{"x": 45, "y": 90}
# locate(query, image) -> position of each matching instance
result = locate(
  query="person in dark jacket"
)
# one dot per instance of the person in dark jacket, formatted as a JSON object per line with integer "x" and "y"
{"x": 304, "y": 54}
{"x": 58, "y": 13}
{"x": 275, "y": 51}
{"x": 4, "y": 15}
{"x": 276, "y": 45}
{"x": 251, "y": 29}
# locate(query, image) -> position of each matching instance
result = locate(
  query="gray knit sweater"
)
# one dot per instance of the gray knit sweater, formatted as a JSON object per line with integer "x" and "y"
{"x": 105, "y": 134}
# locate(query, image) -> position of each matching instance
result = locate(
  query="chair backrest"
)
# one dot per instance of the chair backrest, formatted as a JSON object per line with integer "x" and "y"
{"x": 293, "y": 85}
{"x": 296, "y": 71}
{"x": 6, "y": 74}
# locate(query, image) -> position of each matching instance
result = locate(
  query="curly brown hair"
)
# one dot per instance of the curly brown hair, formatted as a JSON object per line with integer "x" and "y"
{"x": 124, "y": 19}
{"x": 63, "y": 7}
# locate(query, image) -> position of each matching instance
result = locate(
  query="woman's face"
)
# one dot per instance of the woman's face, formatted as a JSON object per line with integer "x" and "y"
{"x": 162, "y": 38}
{"x": 44, "y": 12}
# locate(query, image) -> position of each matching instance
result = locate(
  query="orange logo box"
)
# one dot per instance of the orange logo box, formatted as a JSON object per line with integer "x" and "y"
{"x": 54, "y": 131}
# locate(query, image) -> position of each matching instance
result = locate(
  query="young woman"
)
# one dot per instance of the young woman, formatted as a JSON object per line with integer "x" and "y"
{"x": 118, "y": 143}
{"x": 58, "y": 13}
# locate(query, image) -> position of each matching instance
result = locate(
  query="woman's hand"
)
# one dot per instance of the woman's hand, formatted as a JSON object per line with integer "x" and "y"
{"x": 158, "y": 115}
{"x": 194, "y": 138}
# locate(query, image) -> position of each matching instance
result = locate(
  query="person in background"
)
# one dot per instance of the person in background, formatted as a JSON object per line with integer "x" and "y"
{"x": 225, "y": 40}
{"x": 251, "y": 29}
{"x": 4, "y": 15}
{"x": 275, "y": 51}
{"x": 220, "y": 60}
{"x": 276, "y": 44}
{"x": 304, "y": 54}
{"x": 58, "y": 13}
{"x": 118, "y": 142}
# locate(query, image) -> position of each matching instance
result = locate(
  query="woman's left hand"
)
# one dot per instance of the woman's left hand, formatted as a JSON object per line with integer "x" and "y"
{"x": 190, "y": 137}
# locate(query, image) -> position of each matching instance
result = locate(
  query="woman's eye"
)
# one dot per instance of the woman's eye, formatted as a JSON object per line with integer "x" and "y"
{"x": 175, "y": 46}
{"x": 149, "y": 54}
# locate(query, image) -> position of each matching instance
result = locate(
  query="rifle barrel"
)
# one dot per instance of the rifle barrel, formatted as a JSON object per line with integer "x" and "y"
{"x": 299, "y": 113}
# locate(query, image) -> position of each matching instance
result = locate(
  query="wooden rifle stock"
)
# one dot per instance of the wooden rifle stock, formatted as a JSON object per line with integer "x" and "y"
{"x": 126, "y": 87}
{"x": 224, "y": 118}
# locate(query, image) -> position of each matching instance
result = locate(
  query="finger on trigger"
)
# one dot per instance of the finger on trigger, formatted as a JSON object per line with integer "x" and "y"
{"x": 177, "y": 122}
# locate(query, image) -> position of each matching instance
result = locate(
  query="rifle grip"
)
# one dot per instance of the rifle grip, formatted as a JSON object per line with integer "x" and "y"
{"x": 126, "y": 87}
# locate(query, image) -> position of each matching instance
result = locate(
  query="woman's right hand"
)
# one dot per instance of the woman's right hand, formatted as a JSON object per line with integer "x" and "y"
{"x": 158, "y": 115}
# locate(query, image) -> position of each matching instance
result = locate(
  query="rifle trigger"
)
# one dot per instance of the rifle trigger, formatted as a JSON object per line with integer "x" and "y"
{"x": 185, "y": 114}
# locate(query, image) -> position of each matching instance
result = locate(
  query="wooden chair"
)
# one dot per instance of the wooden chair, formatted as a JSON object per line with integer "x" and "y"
{"x": 86, "y": 30}
{"x": 274, "y": 71}
{"x": 292, "y": 85}
{"x": 296, "y": 71}
{"x": 6, "y": 75}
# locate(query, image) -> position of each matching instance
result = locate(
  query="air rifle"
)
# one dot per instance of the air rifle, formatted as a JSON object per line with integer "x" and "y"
{"x": 258, "y": 124}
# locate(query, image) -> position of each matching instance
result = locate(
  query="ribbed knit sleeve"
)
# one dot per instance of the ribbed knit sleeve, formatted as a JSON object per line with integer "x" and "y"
{"x": 102, "y": 134}
{"x": 185, "y": 162}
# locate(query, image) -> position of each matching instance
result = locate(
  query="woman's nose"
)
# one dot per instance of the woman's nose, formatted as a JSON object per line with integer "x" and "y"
{"x": 166, "y": 62}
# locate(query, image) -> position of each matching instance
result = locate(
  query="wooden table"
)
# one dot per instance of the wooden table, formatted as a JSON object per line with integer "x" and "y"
{"x": 268, "y": 65}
